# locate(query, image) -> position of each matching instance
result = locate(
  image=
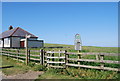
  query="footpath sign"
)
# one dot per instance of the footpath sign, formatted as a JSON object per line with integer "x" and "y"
{"x": 78, "y": 42}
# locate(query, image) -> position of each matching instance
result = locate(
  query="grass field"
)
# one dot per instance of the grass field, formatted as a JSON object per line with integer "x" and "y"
{"x": 73, "y": 73}
{"x": 84, "y": 48}
{"x": 69, "y": 73}
{"x": 13, "y": 67}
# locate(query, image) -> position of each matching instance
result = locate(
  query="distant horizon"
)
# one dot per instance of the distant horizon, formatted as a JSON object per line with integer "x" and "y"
{"x": 73, "y": 44}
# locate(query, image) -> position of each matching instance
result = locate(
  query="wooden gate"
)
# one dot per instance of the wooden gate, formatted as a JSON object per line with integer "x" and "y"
{"x": 55, "y": 59}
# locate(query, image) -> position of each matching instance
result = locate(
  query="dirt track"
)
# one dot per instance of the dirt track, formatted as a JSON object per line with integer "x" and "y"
{"x": 29, "y": 75}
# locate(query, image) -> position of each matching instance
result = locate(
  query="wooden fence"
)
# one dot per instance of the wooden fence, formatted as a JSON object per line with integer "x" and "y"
{"x": 63, "y": 59}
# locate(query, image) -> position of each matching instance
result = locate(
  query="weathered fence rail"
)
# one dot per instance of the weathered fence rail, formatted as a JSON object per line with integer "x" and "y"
{"x": 99, "y": 59}
{"x": 62, "y": 59}
{"x": 90, "y": 53}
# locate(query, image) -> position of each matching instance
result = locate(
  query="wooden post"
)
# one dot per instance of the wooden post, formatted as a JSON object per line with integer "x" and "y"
{"x": 97, "y": 57}
{"x": 42, "y": 57}
{"x": 45, "y": 63}
{"x": 79, "y": 57}
{"x": 18, "y": 54}
{"x": 59, "y": 53}
{"x": 48, "y": 60}
{"x": 28, "y": 55}
{"x": 101, "y": 59}
{"x": 59, "y": 56}
{"x": 7, "y": 54}
{"x": 53, "y": 58}
{"x": 66, "y": 59}
{"x": 26, "y": 50}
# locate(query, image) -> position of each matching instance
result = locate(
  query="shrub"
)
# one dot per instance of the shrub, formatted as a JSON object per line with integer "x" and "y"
{"x": 56, "y": 70}
{"x": 31, "y": 64}
{"x": 39, "y": 68}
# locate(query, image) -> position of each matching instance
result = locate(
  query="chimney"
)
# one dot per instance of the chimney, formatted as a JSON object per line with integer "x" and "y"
{"x": 10, "y": 27}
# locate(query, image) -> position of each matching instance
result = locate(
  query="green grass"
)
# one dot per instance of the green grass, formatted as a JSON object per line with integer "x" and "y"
{"x": 84, "y": 48}
{"x": 51, "y": 75}
{"x": 73, "y": 73}
{"x": 17, "y": 68}
{"x": 70, "y": 48}
{"x": 91, "y": 73}
{"x": 55, "y": 74}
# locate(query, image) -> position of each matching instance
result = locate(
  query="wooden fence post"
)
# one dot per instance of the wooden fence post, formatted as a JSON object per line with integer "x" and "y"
{"x": 42, "y": 57}
{"x": 45, "y": 59}
{"x": 59, "y": 53}
{"x": 48, "y": 65}
{"x": 79, "y": 57}
{"x": 28, "y": 55}
{"x": 101, "y": 59}
{"x": 16, "y": 51}
{"x": 7, "y": 54}
{"x": 18, "y": 54}
{"x": 66, "y": 59}
{"x": 53, "y": 58}
{"x": 26, "y": 51}
{"x": 97, "y": 57}
{"x": 60, "y": 56}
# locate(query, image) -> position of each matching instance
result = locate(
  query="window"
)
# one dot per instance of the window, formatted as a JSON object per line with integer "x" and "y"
{"x": 7, "y": 41}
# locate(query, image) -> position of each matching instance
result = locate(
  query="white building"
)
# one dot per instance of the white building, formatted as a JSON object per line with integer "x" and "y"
{"x": 15, "y": 38}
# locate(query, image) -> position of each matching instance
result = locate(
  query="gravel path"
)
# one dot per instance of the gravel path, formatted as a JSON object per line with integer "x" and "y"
{"x": 29, "y": 75}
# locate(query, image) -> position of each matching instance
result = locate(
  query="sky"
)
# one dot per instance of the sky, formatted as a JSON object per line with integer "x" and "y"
{"x": 58, "y": 22}
{"x": 60, "y": 0}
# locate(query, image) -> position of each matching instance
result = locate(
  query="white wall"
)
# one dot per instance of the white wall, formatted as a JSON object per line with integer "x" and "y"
{"x": 1, "y": 43}
{"x": 15, "y": 42}
{"x": 6, "y": 42}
